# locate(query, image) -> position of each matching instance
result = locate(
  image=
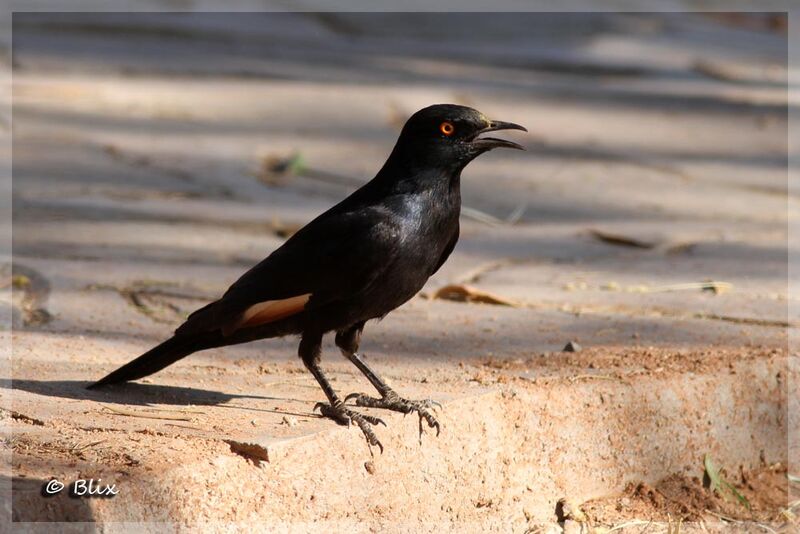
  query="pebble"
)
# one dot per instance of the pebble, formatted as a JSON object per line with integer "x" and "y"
{"x": 289, "y": 421}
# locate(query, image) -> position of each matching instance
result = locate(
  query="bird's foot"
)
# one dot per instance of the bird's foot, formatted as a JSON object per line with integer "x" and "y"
{"x": 393, "y": 401}
{"x": 344, "y": 416}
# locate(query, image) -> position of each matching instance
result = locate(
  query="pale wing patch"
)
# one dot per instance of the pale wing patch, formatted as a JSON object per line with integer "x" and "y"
{"x": 267, "y": 312}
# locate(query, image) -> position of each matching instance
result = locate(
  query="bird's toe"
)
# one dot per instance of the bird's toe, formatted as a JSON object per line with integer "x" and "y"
{"x": 392, "y": 401}
{"x": 345, "y": 416}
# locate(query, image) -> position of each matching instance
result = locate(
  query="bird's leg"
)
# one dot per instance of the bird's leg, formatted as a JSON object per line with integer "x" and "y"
{"x": 335, "y": 409}
{"x": 390, "y": 400}
{"x": 348, "y": 341}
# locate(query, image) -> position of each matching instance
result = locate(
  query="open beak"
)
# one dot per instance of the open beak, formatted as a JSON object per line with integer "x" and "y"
{"x": 488, "y": 143}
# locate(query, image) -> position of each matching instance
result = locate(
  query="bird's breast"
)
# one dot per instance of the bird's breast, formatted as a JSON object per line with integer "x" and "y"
{"x": 425, "y": 227}
{"x": 426, "y": 223}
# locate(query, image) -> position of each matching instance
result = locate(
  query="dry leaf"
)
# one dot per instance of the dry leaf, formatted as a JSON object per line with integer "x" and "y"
{"x": 716, "y": 71}
{"x": 277, "y": 170}
{"x": 465, "y": 293}
{"x": 620, "y": 240}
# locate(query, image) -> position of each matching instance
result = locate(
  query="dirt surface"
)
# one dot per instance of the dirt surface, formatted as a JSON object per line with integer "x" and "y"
{"x": 158, "y": 157}
{"x": 688, "y": 499}
{"x": 529, "y": 432}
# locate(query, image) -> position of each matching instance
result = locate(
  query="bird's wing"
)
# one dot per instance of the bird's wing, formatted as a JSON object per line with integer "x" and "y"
{"x": 447, "y": 251}
{"x": 335, "y": 256}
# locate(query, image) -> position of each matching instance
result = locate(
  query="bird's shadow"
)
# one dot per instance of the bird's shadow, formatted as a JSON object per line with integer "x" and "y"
{"x": 127, "y": 393}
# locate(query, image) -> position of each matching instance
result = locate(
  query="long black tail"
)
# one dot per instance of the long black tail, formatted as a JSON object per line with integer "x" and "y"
{"x": 154, "y": 360}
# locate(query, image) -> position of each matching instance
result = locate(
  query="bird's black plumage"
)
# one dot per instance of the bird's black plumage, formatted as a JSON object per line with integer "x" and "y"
{"x": 357, "y": 261}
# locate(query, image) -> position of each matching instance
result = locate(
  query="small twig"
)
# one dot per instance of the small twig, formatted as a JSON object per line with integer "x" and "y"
{"x": 473, "y": 275}
{"x": 745, "y": 320}
{"x": 711, "y": 285}
{"x": 22, "y": 417}
{"x": 131, "y": 413}
{"x": 174, "y": 410}
{"x": 598, "y": 377}
{"x": 184, "y": 426}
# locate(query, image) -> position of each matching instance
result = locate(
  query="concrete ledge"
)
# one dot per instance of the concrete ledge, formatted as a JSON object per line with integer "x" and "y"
{"x": 505, "y": 455}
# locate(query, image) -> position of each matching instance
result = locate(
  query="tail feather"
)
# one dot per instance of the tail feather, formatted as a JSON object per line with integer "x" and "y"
{"x": 157, "y": 358}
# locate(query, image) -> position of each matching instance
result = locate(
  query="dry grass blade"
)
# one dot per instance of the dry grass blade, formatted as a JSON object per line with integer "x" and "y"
{"x": 788, "y": 513}
{"x": 515, "y": 216}
{"x": 674, "y": 528}
{"x": 723, "y": 517}
{"x": 486, "y": 218}
{"x": 480, "y": 216}
{"x": 131, "y": 413}
{"x": 766, "y": 527}
{"x": 720, "y": 485}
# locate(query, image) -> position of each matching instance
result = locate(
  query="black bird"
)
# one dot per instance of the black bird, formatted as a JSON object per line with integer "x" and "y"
{"x": 357, "y": 261}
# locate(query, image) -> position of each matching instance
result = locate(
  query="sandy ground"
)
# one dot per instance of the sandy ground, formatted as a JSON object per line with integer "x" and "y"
{"x": 647, "y": 223}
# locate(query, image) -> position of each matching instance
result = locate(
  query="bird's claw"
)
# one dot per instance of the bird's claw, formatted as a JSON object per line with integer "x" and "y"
{"x": 344, "y": 416}
{"x": 352, "y": 396}
{"x": 392, "y": 401}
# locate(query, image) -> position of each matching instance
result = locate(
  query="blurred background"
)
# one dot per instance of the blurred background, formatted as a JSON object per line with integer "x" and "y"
{"x": 179, "y": 148}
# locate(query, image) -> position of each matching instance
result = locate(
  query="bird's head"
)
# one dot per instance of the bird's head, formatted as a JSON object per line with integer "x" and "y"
{"x": 451, "y": 135}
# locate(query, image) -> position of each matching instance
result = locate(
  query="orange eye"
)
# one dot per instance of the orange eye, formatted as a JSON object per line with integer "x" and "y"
{"x": 447, "y": 128}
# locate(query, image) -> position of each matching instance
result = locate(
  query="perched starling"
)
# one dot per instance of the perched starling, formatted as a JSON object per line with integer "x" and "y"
{"x": 358, "y": 261}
